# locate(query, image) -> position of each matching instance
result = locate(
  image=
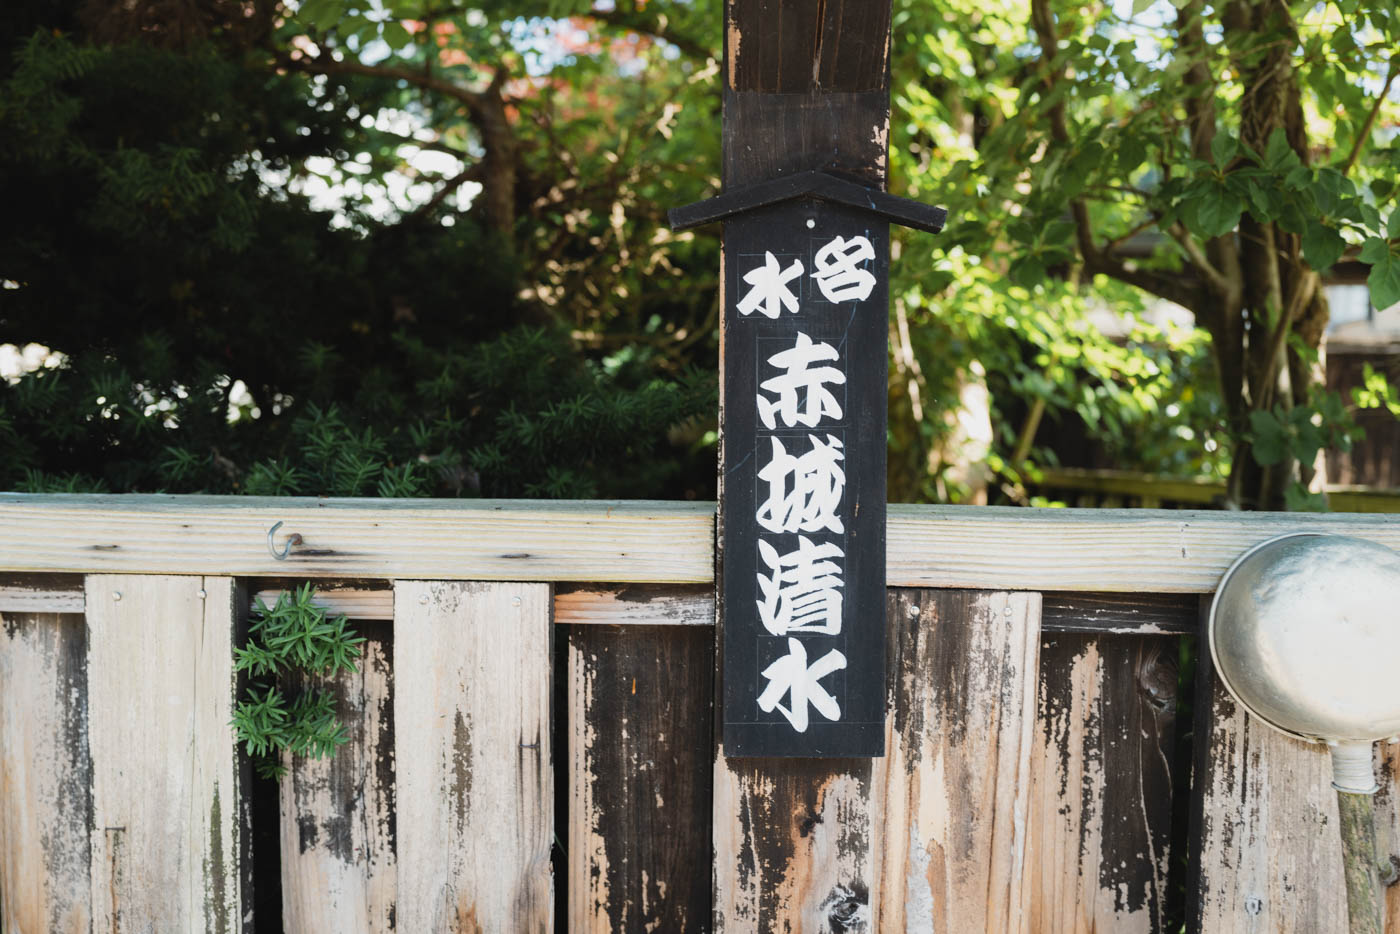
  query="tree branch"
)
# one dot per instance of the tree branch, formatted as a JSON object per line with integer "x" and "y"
{"x": 474, "y": 101}
{"x": 472, "y": 173}
{"x": 1118, "y": 241}
{"x": 486, "y": 110}
{"x": 657, "y": 28}
{"x": 1302, "y": 296}
{"x": 1370, "y": 123}
{"x": 1218, "y": 283}
{"x": 1172, "y": 288}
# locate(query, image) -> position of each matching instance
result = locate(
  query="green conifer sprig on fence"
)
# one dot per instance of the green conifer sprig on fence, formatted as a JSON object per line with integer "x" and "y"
{"x": 289, "y": 644}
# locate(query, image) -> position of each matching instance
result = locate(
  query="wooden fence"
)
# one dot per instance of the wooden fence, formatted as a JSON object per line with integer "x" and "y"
{"x": 1112, "y": 489}
{"x": 532, "y": 731}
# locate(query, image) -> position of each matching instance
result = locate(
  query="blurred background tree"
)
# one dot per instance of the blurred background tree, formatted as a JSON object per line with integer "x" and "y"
{"x": 405, "y": 247}
{"x": 253, "y": 280}
{"x": 1215, "y": 157}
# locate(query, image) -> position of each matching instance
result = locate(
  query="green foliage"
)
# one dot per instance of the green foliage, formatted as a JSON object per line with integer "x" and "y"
{"x": 520, "y": 415}
{"x": 1076, "y": 144}
{"x": 288, "y": 645}
{"x": 1301, "y": 432}
{"x": 224, "y": 331}
{"x": 1375, "y": 392}
{"x": 216, "y": 332}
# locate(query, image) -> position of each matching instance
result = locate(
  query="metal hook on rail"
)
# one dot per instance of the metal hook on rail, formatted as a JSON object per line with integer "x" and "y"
{"x": 293, "y": 539}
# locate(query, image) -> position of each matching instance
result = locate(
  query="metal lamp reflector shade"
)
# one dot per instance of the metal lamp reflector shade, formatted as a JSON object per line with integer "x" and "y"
{"x": 1305, "y": 633}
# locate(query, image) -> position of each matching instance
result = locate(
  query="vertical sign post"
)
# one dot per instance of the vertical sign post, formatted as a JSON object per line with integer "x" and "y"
{"x": 804, "y": 330}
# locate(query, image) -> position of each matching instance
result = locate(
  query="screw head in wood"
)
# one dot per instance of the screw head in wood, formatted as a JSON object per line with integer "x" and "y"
{"x": 203, "y": 594}
{"x": 913, "y": 612}
{"x": 515, "y": 602}
{"x": 423, "y": 599}
{"x": 116, "y": 595}
{"x": 1006, "y": 612}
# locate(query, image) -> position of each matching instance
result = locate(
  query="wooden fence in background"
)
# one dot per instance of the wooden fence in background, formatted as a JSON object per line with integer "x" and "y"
{"x": 532, "y": 746}
{"x": 1112, "y": 489}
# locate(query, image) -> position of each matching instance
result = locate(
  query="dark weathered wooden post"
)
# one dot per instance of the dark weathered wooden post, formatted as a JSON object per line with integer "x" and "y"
{"x": 804, "y": 330}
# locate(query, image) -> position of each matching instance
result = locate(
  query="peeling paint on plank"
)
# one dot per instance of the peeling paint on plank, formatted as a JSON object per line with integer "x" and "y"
{"x": 45, "y": 772}
{"x": 339, "y": 867}
{"x": 639, "y": 709}
{"x": 1266, "y": 853}
{"x": 952, "y": 794}
{"x": 162, "y": 753}
{"x": 481, "y": 650}
{"x": 1101, "y": 783}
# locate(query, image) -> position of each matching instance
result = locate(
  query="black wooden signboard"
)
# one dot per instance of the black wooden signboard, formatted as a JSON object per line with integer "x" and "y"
{"x": 802, "y": 473}
{"x": 803, "y": 467}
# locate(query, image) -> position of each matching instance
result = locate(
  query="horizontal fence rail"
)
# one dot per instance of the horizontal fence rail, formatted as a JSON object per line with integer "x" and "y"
{"x": 989, "y": 548}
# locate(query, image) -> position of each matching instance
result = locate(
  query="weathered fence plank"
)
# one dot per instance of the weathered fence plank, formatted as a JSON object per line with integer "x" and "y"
{"x": 1388, "y": 828}
{"x": 357, "y": 599}
{"x": 792, "y": 845}
{"x": 165, "y": 786}
{"x": 640, "y": 747}
{"x": 1266, "y": 855}
{"x": 956, "y": 782}
{"x": 475, "y": 793}
{"x": 933, "y": 836}
{"x": 640, "y": 604}
{"x": 338, "y": 865}
{"x": 1120, "y": 613}
{"x": 1101, "y": 784}
{"x": 44, "y": 775}
{"x": 41, "y": 593}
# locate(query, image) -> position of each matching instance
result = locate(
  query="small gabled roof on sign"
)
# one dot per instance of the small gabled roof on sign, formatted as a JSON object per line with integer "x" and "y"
{"x": 813, "y": 184}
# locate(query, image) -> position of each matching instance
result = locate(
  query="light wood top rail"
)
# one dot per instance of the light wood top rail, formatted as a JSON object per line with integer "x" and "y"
{"x": 523, "y": 540}
{"x": 1002, "y": 548}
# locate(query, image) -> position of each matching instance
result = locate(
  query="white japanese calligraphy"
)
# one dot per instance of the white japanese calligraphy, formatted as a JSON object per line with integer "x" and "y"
{"x": 804, "y": 493}
{"x": 770, "y": 293}
{"x": 790, "y": 675}
{"x": 837, "y": 273}
{"x": 804, "y": 593}
{"x": 819, "y": 400}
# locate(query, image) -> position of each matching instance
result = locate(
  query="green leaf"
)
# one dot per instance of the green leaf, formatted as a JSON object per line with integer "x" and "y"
{"x": 1298, "y": 178}
{"x": 1261, "y": 199}
{"x": 1223, "y": 149}
{"x": 1132, "y": 153}
{"x": 1297, "y": 498}
{"x": 1217, "y": 216}
{"x": 1373, "y": 250}
{"x": 1270, "y": 443}
{"x": 1278, "y": 155}
{"x": 1027, "y": 271}
{"x": 1292, "y": 219}
{"x": 1322, "y": 245}
{"x": 1384, "y": 280}
{"x": 1392, "y": 226}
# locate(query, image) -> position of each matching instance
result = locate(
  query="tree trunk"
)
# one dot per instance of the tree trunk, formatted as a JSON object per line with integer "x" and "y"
{"x": 1280, "y": 293}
